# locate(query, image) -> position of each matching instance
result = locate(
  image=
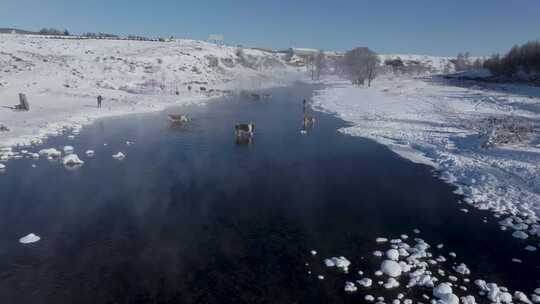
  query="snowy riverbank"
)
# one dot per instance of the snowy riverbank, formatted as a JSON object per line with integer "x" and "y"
{"x": 445, "y": 126}
{"x": 62, "y": 79}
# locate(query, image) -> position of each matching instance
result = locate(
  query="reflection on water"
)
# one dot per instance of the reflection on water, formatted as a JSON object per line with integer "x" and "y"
{"x": 190, "y": 216}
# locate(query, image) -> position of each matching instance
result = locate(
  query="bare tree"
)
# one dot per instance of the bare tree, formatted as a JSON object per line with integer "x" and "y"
{"x": 361, "y": 64}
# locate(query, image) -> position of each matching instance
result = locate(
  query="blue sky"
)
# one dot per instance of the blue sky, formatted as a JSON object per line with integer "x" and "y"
{"x": 401, "y": 26}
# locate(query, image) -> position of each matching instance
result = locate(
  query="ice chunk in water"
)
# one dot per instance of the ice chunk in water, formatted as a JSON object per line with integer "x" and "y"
{"x": 31, "y": 238}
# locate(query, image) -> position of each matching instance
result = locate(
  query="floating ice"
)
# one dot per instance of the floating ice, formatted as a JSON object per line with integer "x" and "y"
{"x": 72, "y": 160}
{"x": 391, "y": 268}
{"x": 366, "y": 282}
{"x": 31, "y": 238}
{"x": 369, "y": 298}
{"x": 391, "y": 283}
{"x": 392, "y": 254}
{"x": 381, "y": 240}
{"x": 416, "y": 231}
{"x": 520, "y": 235}
{"x": 50, "y": 153}
{"x": 448, "y": 299}
{"x": 68, "y": 149}
{"x": 119, "y": 156}
{"x": 338, "y": 262}
{"x": 90, "y": 153}
{"x": 350, "y": 287}
{"x": 515, "y": 260}
{"x": 462, "y": 269}
{"x": 441, "y": 290}
{"x": 320, "y": 277}
{"x": 520, "y": 296}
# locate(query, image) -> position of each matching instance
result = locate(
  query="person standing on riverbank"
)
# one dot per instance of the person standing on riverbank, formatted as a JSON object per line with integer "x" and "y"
{"x": 99, "y": 99}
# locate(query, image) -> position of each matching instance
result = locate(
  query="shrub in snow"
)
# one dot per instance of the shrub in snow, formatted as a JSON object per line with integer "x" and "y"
{"x": 505, "y": 130}
{"x": 31, "y": 238}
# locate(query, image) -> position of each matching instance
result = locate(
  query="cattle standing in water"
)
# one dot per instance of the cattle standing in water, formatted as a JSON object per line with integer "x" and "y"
{"x": 307, "y": 124}
{"x": 243, "y": 130}
{"x": 99, "y": 99}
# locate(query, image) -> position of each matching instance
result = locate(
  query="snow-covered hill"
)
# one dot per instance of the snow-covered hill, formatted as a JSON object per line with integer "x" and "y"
{"x": 63, "y": 77}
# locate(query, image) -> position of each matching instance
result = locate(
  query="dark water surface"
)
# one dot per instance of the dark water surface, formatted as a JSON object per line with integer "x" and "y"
{"x": 191, "y": 217}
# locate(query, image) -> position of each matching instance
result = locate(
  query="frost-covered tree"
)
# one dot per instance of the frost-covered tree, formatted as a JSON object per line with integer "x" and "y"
{"x": 361, "y": 64}
{"x": 319, "y": 63}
